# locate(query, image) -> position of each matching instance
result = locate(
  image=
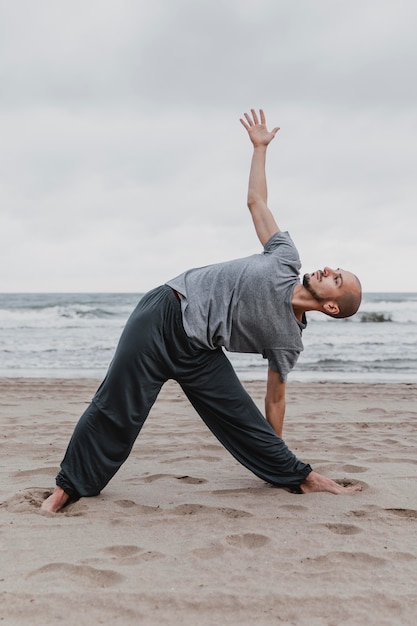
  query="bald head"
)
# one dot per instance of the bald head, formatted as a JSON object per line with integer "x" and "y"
{"x": 337, "y": 291}
{"x": 350, "y": 298}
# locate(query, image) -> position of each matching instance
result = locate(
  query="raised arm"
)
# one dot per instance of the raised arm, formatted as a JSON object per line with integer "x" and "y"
{"x": 264, "y": 221}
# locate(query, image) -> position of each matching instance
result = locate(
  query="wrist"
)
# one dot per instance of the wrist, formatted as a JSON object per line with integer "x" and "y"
{"x": 261, "y": 147}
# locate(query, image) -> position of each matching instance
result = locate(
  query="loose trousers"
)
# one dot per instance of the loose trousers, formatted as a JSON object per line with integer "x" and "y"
{"x": 152, "y": 349}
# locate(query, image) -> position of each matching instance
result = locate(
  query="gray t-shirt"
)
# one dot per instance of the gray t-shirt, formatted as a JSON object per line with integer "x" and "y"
{"x": 245, "y": 305}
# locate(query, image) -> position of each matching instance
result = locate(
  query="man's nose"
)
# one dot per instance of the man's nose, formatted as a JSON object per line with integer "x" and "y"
{"x": 328, "y": 271}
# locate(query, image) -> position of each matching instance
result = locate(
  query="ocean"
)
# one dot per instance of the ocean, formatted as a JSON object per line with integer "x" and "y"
{"x": 63, "y": 335}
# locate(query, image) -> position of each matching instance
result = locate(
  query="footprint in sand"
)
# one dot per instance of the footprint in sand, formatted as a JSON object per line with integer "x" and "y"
{"x": 153, "y": 477}
{"x": 197, "y": 509}
{"x": 136, "y": 508}
{"x": 28, "y": 501}
{"x": 343, "y": 529}
{"x": 131, "y": 554}
{"x": 345, "y": 482}
{"x": 345, "y": 558}
{"x": 190, "y": 480}
{"x": 294, "y": 508}
{"x": 353, "y": 469}
{"x": 405, "y": 513}
{"x": 250, "y": 541}
{"x": 122, "y": 551}
{"x": 66, "y": 573}
{"x": 367, "y": 511}
{"x": 359, "y": 513}
{"x": 247, "y": 540}
{"x": 374, "y": 411}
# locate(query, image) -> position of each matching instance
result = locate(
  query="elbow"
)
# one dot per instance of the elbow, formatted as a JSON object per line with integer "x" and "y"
{"x": 254, "y": 201}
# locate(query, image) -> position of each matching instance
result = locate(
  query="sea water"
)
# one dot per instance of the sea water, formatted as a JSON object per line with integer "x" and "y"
{"x": 75, "y": 335}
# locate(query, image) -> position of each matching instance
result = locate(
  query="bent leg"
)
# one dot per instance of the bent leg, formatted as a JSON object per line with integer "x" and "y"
{"x": 227, "y": 409}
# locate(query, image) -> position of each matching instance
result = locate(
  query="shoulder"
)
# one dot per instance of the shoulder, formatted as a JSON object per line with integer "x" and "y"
{"x": 279, "y": 239}
{"x": 281, "y": 245}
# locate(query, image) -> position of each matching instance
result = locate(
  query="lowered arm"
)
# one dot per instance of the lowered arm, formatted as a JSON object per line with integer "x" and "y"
{"x": 275, "y": 401}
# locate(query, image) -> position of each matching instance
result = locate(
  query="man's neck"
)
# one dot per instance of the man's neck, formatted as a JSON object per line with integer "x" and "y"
{"x": 301, "y": 302}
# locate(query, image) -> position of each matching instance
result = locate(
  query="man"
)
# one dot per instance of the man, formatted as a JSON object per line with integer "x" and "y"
{"x": 179, "y": 330}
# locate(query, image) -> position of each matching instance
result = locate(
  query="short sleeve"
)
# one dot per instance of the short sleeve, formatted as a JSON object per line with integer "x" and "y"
{"x": 282, "y": 244}
{"x": 281, "y": 361}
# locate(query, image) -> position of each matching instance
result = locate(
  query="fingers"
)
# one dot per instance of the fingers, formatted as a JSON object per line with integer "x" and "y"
{"x": 248, "y": 123}
{"x": 244, "y": 124}
{"x": 254, "y": 116}
{"x": 251, "y": 121}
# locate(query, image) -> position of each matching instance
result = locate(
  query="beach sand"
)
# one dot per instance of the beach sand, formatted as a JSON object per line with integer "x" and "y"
{"x": 184, "y": 535}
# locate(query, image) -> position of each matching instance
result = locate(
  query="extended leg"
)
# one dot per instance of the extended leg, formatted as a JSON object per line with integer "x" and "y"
{"x": 234, "y": 419}
{"x": 104, "y": 435}
{"x": 218, "y": 396}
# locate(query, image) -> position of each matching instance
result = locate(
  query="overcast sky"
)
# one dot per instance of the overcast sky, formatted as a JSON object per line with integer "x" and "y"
{"x": 123, "y": 161}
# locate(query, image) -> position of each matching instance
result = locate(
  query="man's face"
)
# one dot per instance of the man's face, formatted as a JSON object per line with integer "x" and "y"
{"x": 328, "y": 284}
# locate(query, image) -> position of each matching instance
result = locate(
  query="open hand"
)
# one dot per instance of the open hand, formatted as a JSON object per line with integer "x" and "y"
{"x": 257, "y": 131}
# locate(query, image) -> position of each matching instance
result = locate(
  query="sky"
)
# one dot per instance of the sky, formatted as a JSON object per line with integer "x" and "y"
{"x": 123, "y": 161}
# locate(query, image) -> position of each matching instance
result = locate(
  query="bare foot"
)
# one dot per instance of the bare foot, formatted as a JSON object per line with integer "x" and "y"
{"x": 56, "y": 500}
{"x": 316, "y": 482}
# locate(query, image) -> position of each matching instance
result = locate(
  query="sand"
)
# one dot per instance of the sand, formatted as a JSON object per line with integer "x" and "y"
{"x": 185, "y": 535}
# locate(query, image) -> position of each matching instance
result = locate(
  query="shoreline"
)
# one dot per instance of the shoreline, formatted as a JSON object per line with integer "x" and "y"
{"x": 321, "y": 379}
{"x": 185, "y": 534}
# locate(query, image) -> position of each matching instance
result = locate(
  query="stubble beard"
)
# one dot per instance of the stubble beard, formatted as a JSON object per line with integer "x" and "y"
{"x": 307, "y": 285}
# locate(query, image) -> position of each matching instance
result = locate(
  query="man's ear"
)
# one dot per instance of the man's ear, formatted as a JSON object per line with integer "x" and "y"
{"x": 331, "y": 307}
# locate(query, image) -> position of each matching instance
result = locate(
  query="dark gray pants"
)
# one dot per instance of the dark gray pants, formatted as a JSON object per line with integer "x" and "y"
{"x": 152, "y": 349}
